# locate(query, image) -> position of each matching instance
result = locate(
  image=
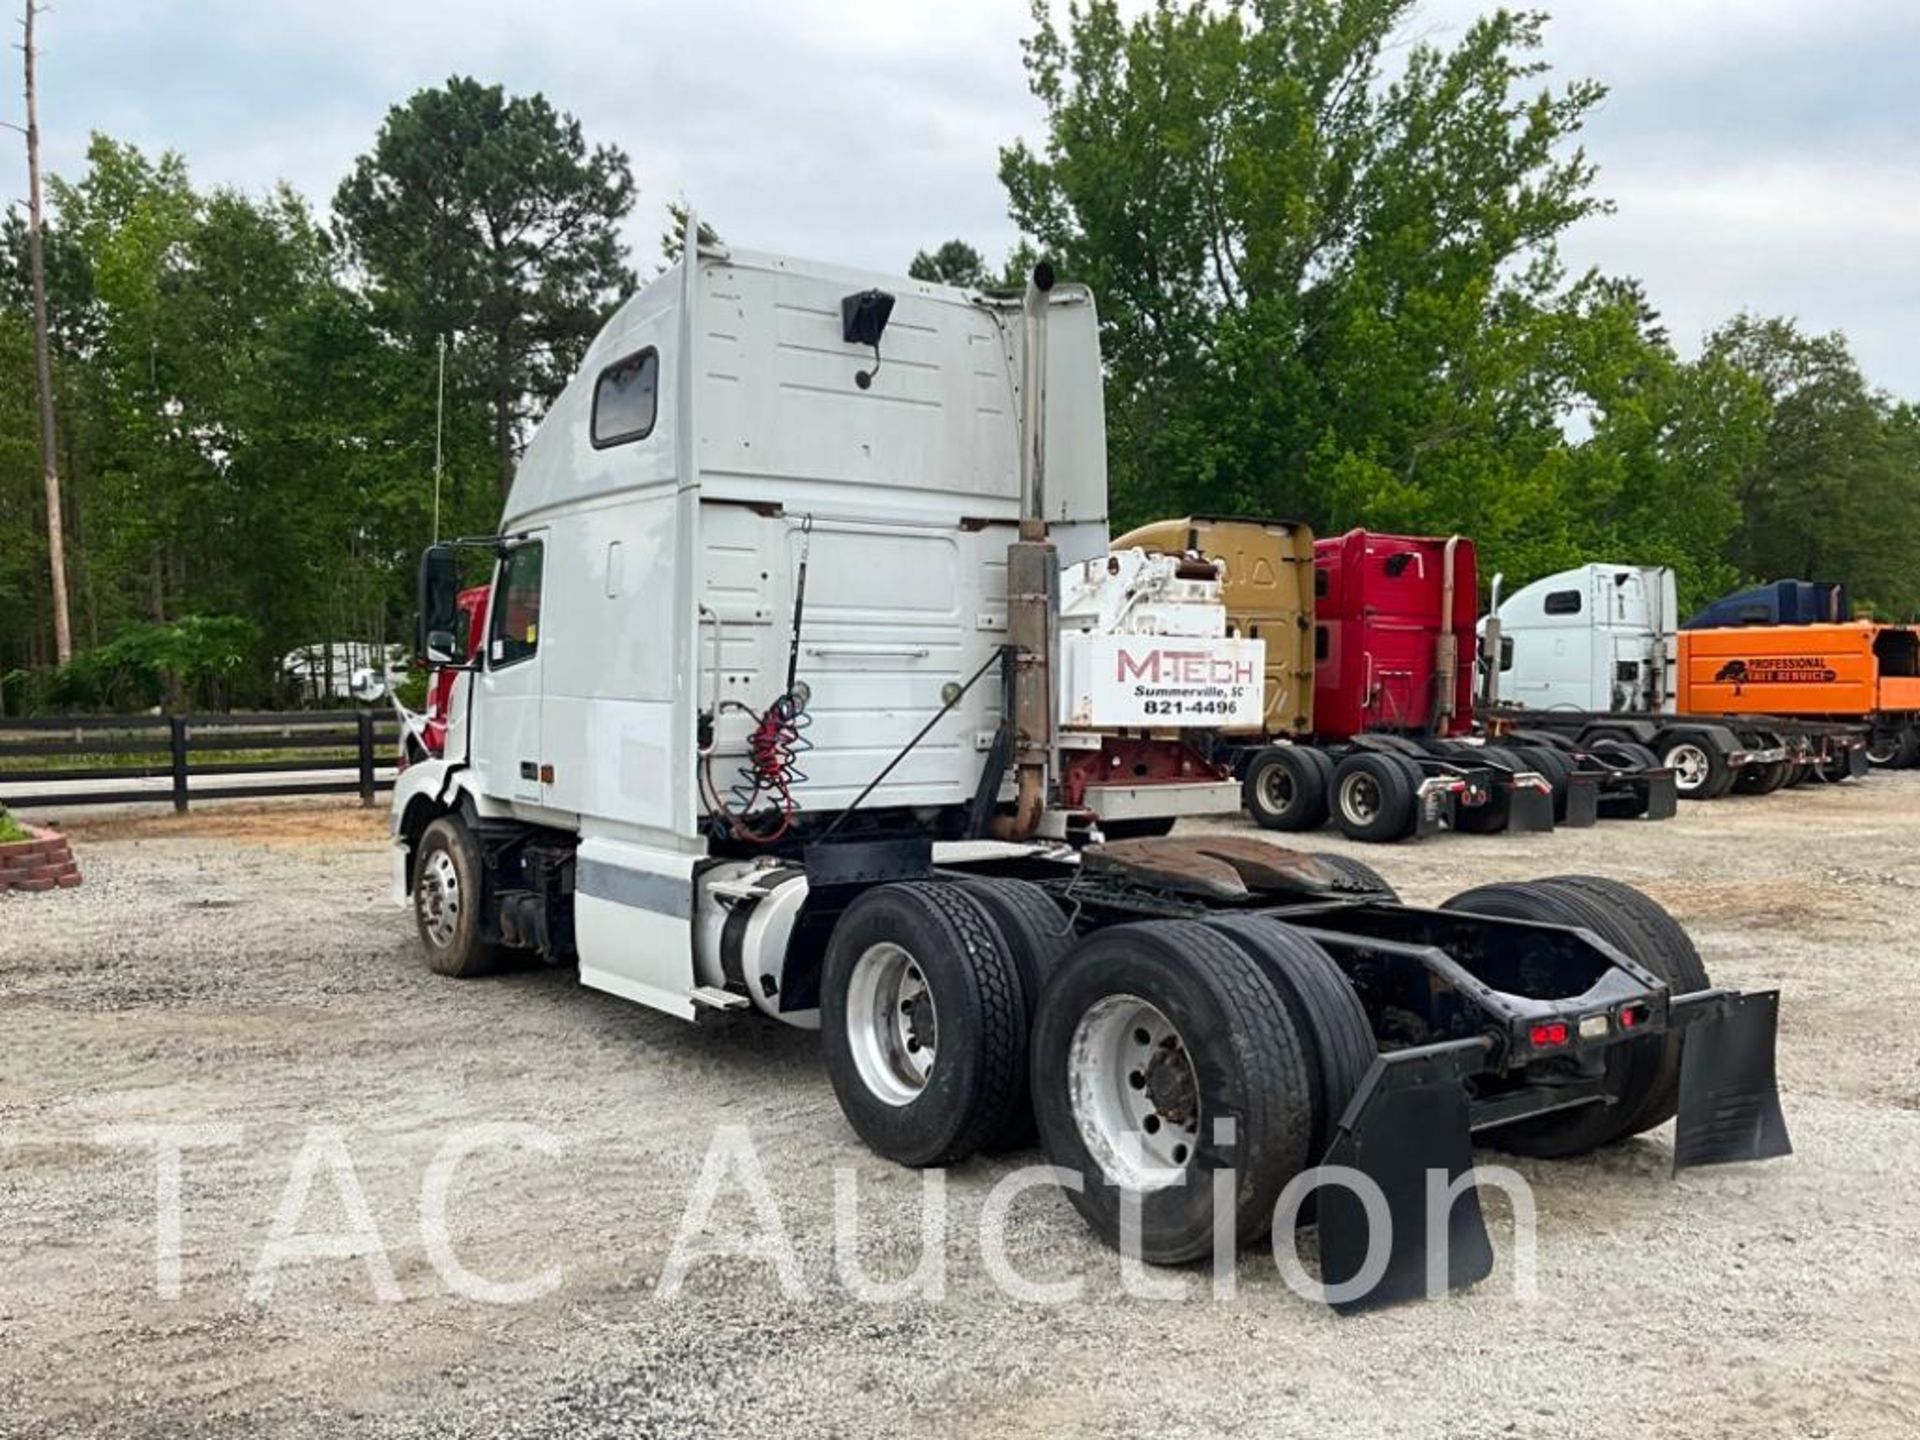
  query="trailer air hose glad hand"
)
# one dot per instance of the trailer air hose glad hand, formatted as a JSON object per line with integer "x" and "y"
{"x": 776, "y": 741}
{"x": 769, "y": 773}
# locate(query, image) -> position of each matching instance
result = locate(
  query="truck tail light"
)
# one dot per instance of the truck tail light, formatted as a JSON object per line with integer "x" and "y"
{"x": 1548, "y": 1034}
{"x": 1633, "y": 1016}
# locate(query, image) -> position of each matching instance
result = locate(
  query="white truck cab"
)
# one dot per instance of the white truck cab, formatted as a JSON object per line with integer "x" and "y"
{"x": 1602, "y": 637}
{"x": 753, "y": 573}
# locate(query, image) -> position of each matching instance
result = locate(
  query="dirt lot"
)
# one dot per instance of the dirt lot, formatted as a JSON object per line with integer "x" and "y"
{"x": 243, "y": 969}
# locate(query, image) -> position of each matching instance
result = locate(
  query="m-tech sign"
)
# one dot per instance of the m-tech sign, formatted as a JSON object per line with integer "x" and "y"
{"x": 1176, "y": 681}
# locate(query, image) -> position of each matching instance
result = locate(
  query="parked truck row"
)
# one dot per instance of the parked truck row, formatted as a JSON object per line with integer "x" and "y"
{"x": 775, "y": 712}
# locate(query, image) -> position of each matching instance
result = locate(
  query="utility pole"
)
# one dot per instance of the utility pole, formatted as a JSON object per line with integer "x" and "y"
{"x": 43, "y": 363}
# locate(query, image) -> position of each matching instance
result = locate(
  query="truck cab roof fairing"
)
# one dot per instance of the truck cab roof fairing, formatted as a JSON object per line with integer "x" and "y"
{"x": 777, "y": 416}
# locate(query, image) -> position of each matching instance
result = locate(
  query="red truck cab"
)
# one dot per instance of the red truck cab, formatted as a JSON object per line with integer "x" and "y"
{"x": 1394, "y": 634}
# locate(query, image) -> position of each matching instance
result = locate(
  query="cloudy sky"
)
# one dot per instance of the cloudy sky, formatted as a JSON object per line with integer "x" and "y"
{"x": 1763, "y": 153}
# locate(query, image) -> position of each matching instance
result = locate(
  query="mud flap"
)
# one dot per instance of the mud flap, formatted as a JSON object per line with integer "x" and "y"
{"x": 1408, "y": 1121}
{"x": 1663, "y": 795}
{"x": 1528, "y": 807}
{"x": 1729, "y": 1093}
{"x": 1433, "y": 806}
{"x": 1581, "y": 806}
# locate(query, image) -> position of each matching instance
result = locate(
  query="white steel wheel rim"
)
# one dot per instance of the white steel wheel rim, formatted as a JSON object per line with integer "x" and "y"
{"x": 438, "y": 896}
{"x": 1689, "y": 765}
{"x": 1360, "y": 798}
{"x": 1134, "y": 1093}
{"x": 1276, "y": 789}
{"x": 892, "y": 1026}
{"x": 1881, "y": 752}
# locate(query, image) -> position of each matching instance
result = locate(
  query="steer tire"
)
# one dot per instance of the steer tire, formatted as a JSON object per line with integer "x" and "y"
{"x": 1644, "y": 1074}
{"x": 1373, "y": 798}
{"x": 1285, "y": 788}
{"x": 1038, "y": 935}
{"x": 1326, "y": 1013}
{"x": 1356, "y": 876}
{"x": 1239, "y": 1057}
{"x": 976, "y": 1083}
{"x": 449, "y": 885}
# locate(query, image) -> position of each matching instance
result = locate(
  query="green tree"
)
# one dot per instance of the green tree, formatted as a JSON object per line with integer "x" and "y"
{"x": 953, "y": 263}
{"x": 1834, "y": 492}
{"x": 1326, "y": 290}
{"x": 488, "y": 217}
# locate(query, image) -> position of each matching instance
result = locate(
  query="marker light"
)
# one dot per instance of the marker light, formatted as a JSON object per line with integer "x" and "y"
{"x": 1632, "y": 1016}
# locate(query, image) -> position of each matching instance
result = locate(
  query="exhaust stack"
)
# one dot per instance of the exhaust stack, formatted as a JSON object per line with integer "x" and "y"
{"x": 1446, "y": 648}
{"x": 1033, "y": 580}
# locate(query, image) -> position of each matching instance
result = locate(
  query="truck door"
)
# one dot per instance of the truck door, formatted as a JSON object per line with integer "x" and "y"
{"x": 505, "y": 720}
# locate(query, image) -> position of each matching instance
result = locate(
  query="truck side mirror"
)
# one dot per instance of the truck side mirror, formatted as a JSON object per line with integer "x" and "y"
{"x": 439, "y": 603}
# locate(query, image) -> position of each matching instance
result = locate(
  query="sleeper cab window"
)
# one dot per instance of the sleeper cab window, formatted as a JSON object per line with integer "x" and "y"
{"x": 516, "y": 613}
{"x": 1563, "y": 602}
{"x": 626, "y": 398}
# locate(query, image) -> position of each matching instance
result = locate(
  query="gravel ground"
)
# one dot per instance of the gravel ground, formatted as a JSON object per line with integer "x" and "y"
{"x": 242, "y": 968}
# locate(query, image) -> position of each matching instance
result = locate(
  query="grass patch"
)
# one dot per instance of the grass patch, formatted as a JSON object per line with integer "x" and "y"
{"x": 10, "y": 828}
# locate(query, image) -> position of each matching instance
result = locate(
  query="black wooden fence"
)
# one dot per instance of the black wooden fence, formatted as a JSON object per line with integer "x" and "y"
{"x": 178, "y": 745}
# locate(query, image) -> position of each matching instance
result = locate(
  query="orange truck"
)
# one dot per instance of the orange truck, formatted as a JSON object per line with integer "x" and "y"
{"x": 1859, "y": 671}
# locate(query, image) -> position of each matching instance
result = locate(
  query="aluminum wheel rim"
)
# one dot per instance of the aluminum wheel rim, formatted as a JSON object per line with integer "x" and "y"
{"x": 1882, "y": 752}
{"x": 1689, "y": 765}
{"x": 1276, "y": 789}
{"x": 1134, "y": 1093}
{"x": 439, "y": 898}
{"x": 893, "y": 1028}
{"x": 1359, "y": 798}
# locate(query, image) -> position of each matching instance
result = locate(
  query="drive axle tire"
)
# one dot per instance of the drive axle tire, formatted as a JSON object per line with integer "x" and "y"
{"x": 923, "y": 1023}
{"x": 1038, "y": 935}
{"x": 1700, "y": 772}
{"x": 1356, "y": 875}
{"x": 448, "y": 893}
{"x": 1555, "y": 766}
{"x": 1151, "y": 1036}
{"x": 1326, "y": 1014}
{"x": 1894, "y": 749}
{"x": 1373, "y": 798}
{"x": 1643, "y": 1075}
{"x": 1761, "y": 779}
{"x": 1285, "y": 788}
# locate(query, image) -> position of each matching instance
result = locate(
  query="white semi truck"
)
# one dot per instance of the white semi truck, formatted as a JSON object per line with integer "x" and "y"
{"x": 783, "y": 711}
{"x": 1592, "y": 655}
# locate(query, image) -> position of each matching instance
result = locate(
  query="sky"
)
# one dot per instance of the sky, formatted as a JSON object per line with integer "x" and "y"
{"x": 1762, "y": 154}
